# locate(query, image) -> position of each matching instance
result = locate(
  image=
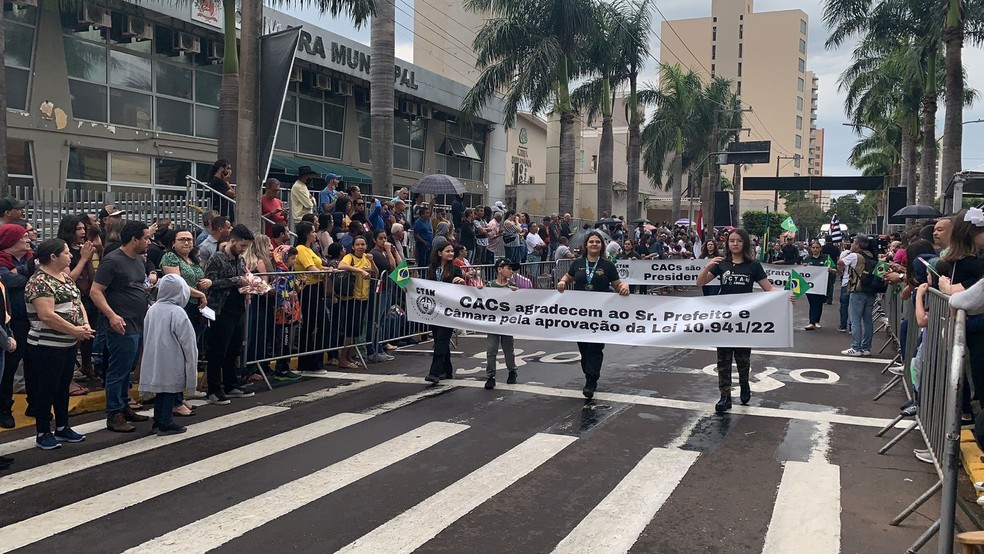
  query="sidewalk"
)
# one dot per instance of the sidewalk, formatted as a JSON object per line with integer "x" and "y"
{"x": 971, "y": 457}
{"x": 77, "y": 405}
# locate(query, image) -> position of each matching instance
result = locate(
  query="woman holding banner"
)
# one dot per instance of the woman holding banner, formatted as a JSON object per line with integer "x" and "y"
{"x": 442, "y": 268}
{"x": 709, "y": 251}
{"x": 593, "y": 273}
{"x": 818, "y": 259}
{"x": 738, "y": 270}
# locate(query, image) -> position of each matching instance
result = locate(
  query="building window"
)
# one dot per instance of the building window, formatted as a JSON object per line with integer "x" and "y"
{"x": 802, "y": 27}
{"x": 802, "y": 46}
{"x": 739, "y": 69}
{"x": 311, "y": 122}
{"x": 799, "y": 142}
{"x": 140, "y": 83}
{"x": 799, "y": 123}
{"x": 408, "y": 144}
{"x": 741, "y": 50}
{"x": 713, "y": 69}
{"x": 800, "y": 84}
{"x": 460, "y": 149}
{"x": 738, "y": 91}
{"x": 714, "y": 33}
{"x": 715, "y": 20}
{"x": 365, "y": 124}
{"x": 797, "y": 162}
{"x": 802, "y": 65}
{"x": 19, "y": 25}
{"x": 714, "y": 51}
{"x": 20, "y": 166}
{"x": 741, "y": 32}
{"x": 741, "y": 17}
{"x": 799, "y": 103}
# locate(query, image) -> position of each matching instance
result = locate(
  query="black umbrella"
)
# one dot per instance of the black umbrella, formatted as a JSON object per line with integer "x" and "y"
{"x": 917, "y": 211}
{"x": 609, "y": 221}
{"x": 577, "y": 241}
{"x": 639, "y": 221}
{"x": 439, "y": 183}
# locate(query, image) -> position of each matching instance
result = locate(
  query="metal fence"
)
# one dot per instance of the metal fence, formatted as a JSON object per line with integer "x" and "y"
{"x": 46, "y": 207}
{"x": 940, "y": 358}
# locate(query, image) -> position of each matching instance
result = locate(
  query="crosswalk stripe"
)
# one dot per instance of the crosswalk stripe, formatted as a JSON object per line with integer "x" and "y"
{"x": 50, "y": 523}
{"x": 414, "y": 527}
{"x": 806, "y": 514}
{"x": 615, "y": 524}
{"x": 221, "y": 527}
{"x": 30, "y": 442}
{"x": 89, "y": 460}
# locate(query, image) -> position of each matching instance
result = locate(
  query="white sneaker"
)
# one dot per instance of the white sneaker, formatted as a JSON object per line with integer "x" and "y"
{"x": 895, "y": 369}
{"x": 979, "y": 486}
{"x": 316, "y": 372}
{"x": 195, "y": 394}
{"x": 213, "y": 399}
{"x": 810, "y": 327}
{"x": 866, "y": 352}
{"x": 239, "y": 393}
{"x": 817, "y": 325}
{"x": 852, "y": 352}
{"x": 923, "y": 456}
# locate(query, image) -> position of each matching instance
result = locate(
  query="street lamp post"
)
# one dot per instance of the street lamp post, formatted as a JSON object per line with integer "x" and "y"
{"x": 775, "y": 201}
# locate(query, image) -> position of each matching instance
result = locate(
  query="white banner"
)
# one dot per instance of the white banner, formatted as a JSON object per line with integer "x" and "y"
{"x": 756, "y": 320}
{"x": 684, "y": 273}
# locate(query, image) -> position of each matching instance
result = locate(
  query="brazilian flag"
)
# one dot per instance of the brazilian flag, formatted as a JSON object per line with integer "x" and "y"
{"x": 881, "y": 270}
{"x": 401, "y": 275}
{"x": 797, "y": 284}
{"x": 829, "y": 262}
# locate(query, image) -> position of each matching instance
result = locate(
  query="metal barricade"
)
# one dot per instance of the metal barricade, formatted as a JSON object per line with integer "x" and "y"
{"x": 942, "y": 359}
{"x": 892, "y": 305}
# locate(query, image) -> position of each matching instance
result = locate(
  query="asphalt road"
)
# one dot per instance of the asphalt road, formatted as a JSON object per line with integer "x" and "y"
{"x": 377, "y": 461}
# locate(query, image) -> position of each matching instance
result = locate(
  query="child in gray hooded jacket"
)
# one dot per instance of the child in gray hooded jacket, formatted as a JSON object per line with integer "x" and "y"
{"x": 170, "y": 353}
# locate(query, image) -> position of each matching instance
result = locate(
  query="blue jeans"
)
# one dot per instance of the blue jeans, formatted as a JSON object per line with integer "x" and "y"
{"x": 845, "y": 300}
{"x": 123, "y": 352}
{"x": 862, "y": 326}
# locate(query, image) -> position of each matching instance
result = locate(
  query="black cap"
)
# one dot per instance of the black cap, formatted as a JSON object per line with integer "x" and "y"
{"x": 504, "y": 262}
{"x": 11, "y": 203}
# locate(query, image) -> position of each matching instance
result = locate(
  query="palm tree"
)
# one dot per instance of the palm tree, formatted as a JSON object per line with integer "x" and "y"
{"x": 4, "y": 185}
{"x": 634, "y": 40}
{"x": 383, "y": 43}
{"x": 668, "y": 130}
{"x": 953, "y": 37}
{"x": 526, "y": 51}
{"x": 718, "y": 116}
{"x": 228, "y": 146}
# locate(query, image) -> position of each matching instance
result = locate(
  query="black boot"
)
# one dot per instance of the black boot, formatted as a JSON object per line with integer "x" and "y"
{"x": 746, "y": 393}
{"x": 724, "y": 404}
{"x": 6, "y": 420}
{"x": 490, "y": 383}
{"x": 511, "y": 380}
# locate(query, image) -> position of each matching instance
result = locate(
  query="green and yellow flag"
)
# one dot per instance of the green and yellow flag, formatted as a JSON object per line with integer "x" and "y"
{"x": 789, "y": 225}
{"x": 880, "y": 270}
{"x": 401, "y": 275}
{"x": 829, "y": 262}
{"x": 764, "y": 254}
{"x": 797, "y": 284}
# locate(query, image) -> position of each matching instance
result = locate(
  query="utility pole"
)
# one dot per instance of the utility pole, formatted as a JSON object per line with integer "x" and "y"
{"x": 775, "y": 201}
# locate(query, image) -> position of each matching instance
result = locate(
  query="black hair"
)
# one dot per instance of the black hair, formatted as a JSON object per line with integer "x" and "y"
{"x": 218, "y": 222}
{"x": 219, "y": 164}
{"x": 915, "y": 249}
{"x": 241, "y": 232}
{"x": 67, "y": 226}
{"x": 334, "y": 250}
{"x": 323, "y": 222}
{"x": 49, "y": 248}
{"x": 310, "y": 218}
{"x": 356, "y": 227}
{"x": 746, "y": 246}
{"x": 292, "y": 251}
{"x": 132, "y": 230}
{"x": 303, "y": 229}
{"x": 375, "y": 234}
{"x": 926, "y": 233}
{"x": 279, "y": 229}
{"x": 173, "y": 234}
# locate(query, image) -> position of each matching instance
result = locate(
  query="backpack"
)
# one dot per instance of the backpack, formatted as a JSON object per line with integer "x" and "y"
{"x": 863, "y": 279}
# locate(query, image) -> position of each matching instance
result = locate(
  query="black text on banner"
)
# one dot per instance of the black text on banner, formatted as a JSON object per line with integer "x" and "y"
{"x": 756, "y": 320}
{"x": 681, "y": 273}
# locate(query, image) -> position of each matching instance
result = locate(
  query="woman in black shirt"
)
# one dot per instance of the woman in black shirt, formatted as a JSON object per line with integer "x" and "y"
{"x": 442, "y": 268}
{"x": 737, "y": 271}
{"x": 594, "y": 273}
{"x": 817, "y": 258}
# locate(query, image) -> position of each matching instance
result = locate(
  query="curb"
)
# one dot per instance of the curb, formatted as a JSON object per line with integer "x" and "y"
{"x": 77, "y": 405}
{"x": 971, "y": 457}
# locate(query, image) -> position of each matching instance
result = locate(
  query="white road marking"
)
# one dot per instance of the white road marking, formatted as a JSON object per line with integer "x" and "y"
{"x": 50, "y": 523}
{"x": 28, "y": 477}
{"x": 414, "y": 527}
{"x": 321, "y": 394}
{"x": 806, "y": 516}
{"x": 406, "y": 400}
{"x": 690, "y": 405}
{"x": 29, "y": 442}
{"x": 783, "y": 354}
{"x": 615, "y": 524}
{"x": 224, "y": 526}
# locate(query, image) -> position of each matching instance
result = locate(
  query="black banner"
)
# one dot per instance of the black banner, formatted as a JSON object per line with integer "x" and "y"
{"x": 276, "y": 62}
{"x": 754, "y": 152}
{"x": 897, "y": 199}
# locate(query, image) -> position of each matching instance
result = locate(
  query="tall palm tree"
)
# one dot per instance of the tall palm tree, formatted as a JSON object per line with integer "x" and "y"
{"x": 669, "y": 129}
{"x": 383, "y": 43}
{"x": 953, "y": 37}
{"x": 4, "y": 185}
{"x": 634, "y": 41}
{"x": 718, "y": 116}
{"x": 228, "y": 146}
{"x": 526, "y": 51}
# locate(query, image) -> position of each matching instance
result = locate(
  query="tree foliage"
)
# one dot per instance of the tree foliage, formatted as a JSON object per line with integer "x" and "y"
{"x": 755, "y": 222}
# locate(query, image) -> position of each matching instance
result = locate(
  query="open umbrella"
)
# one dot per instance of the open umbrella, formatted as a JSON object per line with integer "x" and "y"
{"x": 639, "y": 221}
{"x": 918, "y": 210}
{"x": 577, "y": 241}
{"x": 439, "y": 183}
{"x": 682, "y": 222}
{"x": 609, "y": 221}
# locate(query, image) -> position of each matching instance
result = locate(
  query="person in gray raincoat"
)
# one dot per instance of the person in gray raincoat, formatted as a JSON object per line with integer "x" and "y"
{"x": 170, "y": 353}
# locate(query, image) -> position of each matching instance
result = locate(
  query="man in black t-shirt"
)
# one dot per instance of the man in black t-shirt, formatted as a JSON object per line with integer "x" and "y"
{"x": 119, "y": 292}
{"x": 790, "y": 254}
{"x": 466, "y": 231}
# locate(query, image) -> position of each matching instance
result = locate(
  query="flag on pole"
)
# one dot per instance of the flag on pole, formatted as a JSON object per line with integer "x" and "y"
{"x": 764, "y": 244}
{"x": 797, "y": 284}
{"x": 829, "y": 262}
{"x": 881, "y": 269}
{"x": 789, "y": 225}
{"x": 700, "y": 224}
{"x": 401, "y": 275}
{"x": 835, "y": 229}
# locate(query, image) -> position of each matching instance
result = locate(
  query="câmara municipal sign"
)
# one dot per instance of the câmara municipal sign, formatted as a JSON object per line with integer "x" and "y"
{"x": 348, "y": 56}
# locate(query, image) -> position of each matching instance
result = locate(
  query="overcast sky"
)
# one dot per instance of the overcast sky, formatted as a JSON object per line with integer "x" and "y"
{"x": 826, "y": 64}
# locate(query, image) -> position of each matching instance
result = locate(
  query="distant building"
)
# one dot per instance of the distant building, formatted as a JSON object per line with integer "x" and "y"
{"x": 765, "y": 56}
